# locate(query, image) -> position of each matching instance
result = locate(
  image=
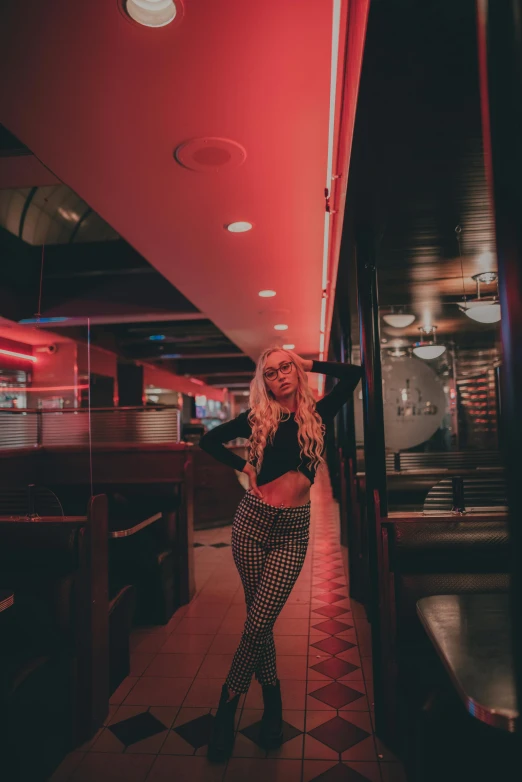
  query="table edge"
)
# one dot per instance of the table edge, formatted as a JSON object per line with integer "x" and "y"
{"x": 503, "y": 719}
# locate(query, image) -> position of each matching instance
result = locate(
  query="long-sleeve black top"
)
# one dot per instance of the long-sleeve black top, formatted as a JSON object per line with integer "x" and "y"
{"x": 283, "y": 454}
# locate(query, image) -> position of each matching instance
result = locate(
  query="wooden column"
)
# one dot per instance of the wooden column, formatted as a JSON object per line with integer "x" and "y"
{"x": 374, "y": 444}
{"x": 500, "y": 62}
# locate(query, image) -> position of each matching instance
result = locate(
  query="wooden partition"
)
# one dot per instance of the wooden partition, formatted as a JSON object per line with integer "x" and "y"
{"x": 156, "y": 468}
{"x": 217, "y": 491}
{"x": 82, "y": 543}
{"x": 407, "y": 491}
{"x": 457, "y": 525}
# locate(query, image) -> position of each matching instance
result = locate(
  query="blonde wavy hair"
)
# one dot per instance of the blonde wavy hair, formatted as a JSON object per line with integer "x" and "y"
{"x": 266, "y": 413}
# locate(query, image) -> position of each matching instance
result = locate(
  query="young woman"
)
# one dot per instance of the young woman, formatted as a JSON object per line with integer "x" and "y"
{"x": 285, "y": 431}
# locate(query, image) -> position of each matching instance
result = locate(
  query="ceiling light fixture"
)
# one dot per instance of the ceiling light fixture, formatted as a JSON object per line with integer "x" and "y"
{"x": 281, "y": 327}
{"x": 399, "y": 320}
{"x": 266, "y": 294}
{"x": 288, "y": 347}
{"x": 428, "y": 350}
{"x": 151, "y": 13}
{"x": 239, "y": 227}
{"x": 482, "y": 309}
{"x": 157, "y": 337}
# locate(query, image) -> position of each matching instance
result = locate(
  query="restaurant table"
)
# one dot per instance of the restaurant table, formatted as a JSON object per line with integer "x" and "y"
{"x": 472, "y": 636}
{"x": 6, "y": 599}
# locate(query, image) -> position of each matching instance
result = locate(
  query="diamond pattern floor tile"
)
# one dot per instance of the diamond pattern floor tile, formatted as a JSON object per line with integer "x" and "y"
{"x": 333, "y": 645}
{"x": 334, "y": 667}
{"x": 253, "y": 732}
{"x": 340, "y": 773}
{"x": 137, "y": 728}
{"x": 329, "y": 575}
{"x": 330, "y": 611}
{"x": 338, "y": 734}
{"x": 197, "y": 731}
{"x": 336, "y": 695}
{"x": 328, "y": 597}
{"x": 326, "y": 585}
{"x": 332, "y": 626}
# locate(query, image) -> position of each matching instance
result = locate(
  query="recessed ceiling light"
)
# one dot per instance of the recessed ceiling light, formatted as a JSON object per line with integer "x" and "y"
{"x": 280, "y": 327}
{"x": 239, "y": 227}
{"x": 151, "y": 13}
{"x": 266, "y": 294}
{"x": 288, "y": 347}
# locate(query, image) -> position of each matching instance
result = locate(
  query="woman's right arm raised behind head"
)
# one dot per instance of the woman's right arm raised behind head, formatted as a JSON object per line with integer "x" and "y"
{"x": 212, "y": 441}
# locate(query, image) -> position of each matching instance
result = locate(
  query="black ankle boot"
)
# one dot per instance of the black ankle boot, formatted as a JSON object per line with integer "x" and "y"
{"x": 272, "y": 719}
{"x": 222, "y": 731}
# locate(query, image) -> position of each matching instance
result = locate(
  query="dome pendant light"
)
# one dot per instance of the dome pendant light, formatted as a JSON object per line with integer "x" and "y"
{"x": 428, "y": 350}
{"x": 482, "y": 309}
{"x": 398, "y": 319}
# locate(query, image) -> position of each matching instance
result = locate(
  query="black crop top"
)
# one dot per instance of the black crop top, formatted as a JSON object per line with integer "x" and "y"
{"x": 282, "y": 455}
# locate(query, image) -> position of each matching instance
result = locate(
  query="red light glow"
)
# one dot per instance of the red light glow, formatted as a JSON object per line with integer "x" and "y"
{"x": 17, "y": 355}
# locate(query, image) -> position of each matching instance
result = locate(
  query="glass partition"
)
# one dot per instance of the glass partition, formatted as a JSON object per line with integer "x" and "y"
{"x": 439, "y": 388}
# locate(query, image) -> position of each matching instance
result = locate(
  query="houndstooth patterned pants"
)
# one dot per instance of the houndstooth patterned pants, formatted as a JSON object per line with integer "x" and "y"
{"x": 269, "y": 546}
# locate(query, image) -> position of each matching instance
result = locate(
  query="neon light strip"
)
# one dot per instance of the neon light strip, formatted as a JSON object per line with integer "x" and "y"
{"x": 27, "y": 321}
{"x": 323, "y": 314}
{"x": 336, "y": 26}
{"x": 18, "y": 355}
{"x": 196, "y": 381}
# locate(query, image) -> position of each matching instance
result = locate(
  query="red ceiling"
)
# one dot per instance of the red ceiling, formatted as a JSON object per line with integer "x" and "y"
{"x": 103, "y": 103}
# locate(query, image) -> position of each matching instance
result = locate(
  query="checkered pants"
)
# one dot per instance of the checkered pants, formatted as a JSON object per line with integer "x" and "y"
{"x": 269, "y": 546}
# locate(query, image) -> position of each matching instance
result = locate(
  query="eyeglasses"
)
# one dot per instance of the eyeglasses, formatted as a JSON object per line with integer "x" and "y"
{"x": 285, "y": 369}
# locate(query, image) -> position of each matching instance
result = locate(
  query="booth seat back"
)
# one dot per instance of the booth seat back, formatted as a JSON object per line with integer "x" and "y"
{"x": 128, "y": 503}
{"x": 444, "y": 557}
{"x": 40, "y": 562}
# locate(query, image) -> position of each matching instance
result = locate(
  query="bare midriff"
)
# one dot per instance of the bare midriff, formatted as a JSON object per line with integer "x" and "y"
{"x": 289, "y": 490}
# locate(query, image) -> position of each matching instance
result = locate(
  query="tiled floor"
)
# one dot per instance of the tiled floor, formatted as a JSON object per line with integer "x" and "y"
{"x": 160, "y": 716}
